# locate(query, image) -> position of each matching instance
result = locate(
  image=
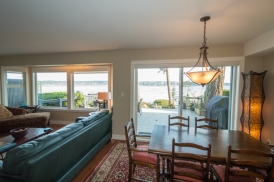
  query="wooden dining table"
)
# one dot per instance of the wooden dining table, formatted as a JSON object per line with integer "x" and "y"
{"x": 161, "y": 141}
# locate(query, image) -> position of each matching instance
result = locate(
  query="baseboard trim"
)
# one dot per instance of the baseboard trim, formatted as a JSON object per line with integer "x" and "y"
{"x": 60, "y": 122}
{"x": 118, "y": 137}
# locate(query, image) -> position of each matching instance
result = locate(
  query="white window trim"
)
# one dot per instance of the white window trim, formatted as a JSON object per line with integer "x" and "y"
{"x": 69, "y": 70}
{"x": 3, "y": 77}
{"x": 239, "y": 62}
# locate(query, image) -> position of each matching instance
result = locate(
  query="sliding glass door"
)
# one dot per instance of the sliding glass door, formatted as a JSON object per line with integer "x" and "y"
{"x": 157, "y": 95}
{"x": 210, "y": 101}
{"x": 167, "y": 91}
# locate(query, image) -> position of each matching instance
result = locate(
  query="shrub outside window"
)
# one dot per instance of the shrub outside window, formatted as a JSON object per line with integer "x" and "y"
{"x": 87, "y": 86}
{"x": 52, "y": 89}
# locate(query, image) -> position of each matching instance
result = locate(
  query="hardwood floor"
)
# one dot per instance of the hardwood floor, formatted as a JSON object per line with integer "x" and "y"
{"x": 96, "y": 159}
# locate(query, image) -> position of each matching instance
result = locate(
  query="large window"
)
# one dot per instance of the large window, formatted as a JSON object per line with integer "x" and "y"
{"x": 86, "y": 88}
{"x": 15, "y": 88}
{"x": 154, "y": 104}
{"x": 52, "y": 89}
{"x": 70, "y": 87}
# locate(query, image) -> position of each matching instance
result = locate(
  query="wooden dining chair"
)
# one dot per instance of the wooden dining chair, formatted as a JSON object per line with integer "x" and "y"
{"x": 174, "y": 121}
{"x": 138, "y": 155}
{"x": 212, "y": 123}
{"x": 190, "y": 166}
{"x": 144, "y": 135}
{"x": 244, "y": 169}
{"x": 179, "y": 121}
{"x": 263, "y": 172}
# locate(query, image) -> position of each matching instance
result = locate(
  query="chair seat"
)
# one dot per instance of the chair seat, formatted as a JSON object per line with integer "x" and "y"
{"x": 144, "y": 156}
{"x": 142, "y": 146}
{"x": 220, "y": 171}
{"x": 184, "y": 178}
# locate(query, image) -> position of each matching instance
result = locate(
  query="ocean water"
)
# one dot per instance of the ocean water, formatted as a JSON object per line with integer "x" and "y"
{"x": 85, "y": 89}
{"x": 148, "y": 93}
{"x": 152, "y": 93}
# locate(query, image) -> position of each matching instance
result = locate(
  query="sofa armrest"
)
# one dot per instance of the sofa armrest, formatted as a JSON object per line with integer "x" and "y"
{"x": 40, "y": 119}
{"x": 16, "y": 111}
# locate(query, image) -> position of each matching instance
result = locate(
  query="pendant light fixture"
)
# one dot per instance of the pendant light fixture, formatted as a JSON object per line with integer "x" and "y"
{"x": 207, "y": 73}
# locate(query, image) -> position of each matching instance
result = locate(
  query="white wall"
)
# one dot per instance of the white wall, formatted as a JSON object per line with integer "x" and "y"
{"x": 260, "y": 45}
{"x": 268, "y": 109}
{"x": 253, "y": 64}
{"x": 121, "y": 61}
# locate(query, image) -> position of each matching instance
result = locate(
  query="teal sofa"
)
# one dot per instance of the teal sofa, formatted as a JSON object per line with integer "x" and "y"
{"x": 58, "y": 156}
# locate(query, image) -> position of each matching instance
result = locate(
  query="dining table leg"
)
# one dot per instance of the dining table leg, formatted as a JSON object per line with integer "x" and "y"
{"x": 165, "y": 169}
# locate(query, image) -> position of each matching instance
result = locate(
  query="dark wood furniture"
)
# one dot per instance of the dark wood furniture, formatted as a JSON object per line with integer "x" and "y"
{"x": 179, "y": 121}
{"x": 161, "y": 141}
{"x": 235, "y": 169}
{"x": 33, "y": 133}
{"x": 212, "y": 123}
{"x": 32, "y": 109}
{"x": 189, "y": 166}
{"x": 138, "y": 155}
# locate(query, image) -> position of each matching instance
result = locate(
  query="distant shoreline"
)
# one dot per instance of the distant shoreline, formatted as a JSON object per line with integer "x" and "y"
{"x": 141, "y": 83}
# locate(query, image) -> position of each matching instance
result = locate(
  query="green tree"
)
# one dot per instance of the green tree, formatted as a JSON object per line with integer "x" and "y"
{"x": 174, "y": 94}
{"x": 165, "y": 71}
{"x": 215, "y": 87}
{"x": 79, "y": 99}
{"x": 78, "y": 96}
{"x": 53, "y": 96}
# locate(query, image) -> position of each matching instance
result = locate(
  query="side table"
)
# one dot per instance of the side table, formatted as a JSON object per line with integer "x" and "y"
{"x": 31, "y": 109}
{"x": 33, "y": 133}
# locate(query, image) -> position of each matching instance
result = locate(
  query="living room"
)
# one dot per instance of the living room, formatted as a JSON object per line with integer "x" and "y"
{"x": 24, "y": 45}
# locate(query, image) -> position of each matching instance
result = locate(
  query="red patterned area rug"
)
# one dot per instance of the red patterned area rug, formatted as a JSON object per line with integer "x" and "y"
{"x": 114, "y": 167}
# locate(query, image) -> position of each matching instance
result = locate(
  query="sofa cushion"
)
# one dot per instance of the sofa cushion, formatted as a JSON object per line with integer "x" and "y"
{"x": 14, "y": 160}
{"x": 16, "y": 111}
{"x": 88, "y": 120}
{"x": 4, "y": 112}
{"x": 100, "y": 114}
{"x": 39, "y": 119}
{"x": 93, "y": 117}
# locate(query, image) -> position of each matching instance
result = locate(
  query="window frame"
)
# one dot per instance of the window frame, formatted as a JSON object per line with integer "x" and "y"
{"x": 70, "y": 70}
{"x": 236, "y": 62}
{"x": 5, "y": 86}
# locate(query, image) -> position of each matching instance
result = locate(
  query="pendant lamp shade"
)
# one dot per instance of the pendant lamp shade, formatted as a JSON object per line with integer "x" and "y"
{"x": 206, "y": 73}
{"x": 203, "y": 77}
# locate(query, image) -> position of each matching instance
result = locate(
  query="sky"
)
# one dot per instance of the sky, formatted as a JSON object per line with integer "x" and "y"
{"x": 62, "y": 76}
{"x": 77, "y": 77}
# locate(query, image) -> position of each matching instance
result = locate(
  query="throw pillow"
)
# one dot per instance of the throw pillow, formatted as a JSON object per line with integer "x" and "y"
{"x": 4, "y": 112}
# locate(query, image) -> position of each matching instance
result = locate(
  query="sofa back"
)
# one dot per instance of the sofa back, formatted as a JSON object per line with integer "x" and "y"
{"x": 29, "y": 149}
{"x": 71, "y": 155}
{"x": 58, "y": 156}
{"x": 93, "y": 117}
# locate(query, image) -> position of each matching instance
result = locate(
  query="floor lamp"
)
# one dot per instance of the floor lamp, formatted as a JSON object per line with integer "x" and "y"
{"x": 253, "y": 97}
{"x": 104, "y": 97}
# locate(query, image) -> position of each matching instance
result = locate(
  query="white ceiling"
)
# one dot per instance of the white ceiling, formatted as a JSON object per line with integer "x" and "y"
{"x": 31, "y": 26}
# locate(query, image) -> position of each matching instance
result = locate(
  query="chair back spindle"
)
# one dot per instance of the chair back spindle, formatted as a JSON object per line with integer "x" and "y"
{"x": 185, "y": 165}
{"x": 179, "y": 121}
{"x": 212, "y": 123}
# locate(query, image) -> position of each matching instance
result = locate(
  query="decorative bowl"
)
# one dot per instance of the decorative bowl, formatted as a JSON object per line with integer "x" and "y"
{"x": 20, "y": 132}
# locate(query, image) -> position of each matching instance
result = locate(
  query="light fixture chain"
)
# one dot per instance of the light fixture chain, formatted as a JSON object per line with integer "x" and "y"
{"x": 204, "y": 43}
